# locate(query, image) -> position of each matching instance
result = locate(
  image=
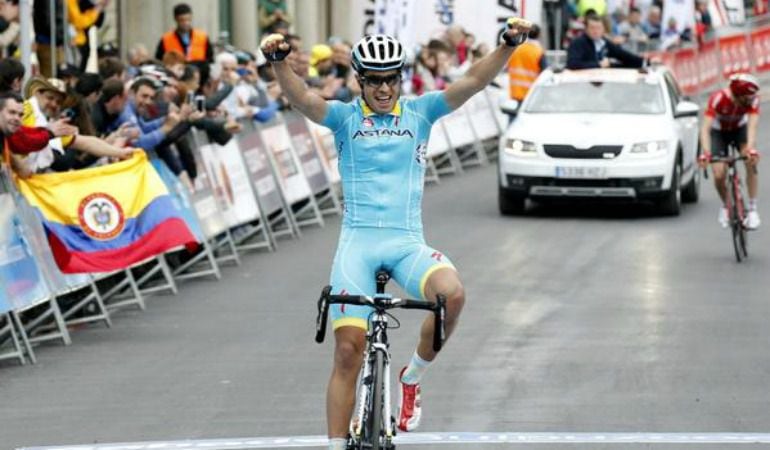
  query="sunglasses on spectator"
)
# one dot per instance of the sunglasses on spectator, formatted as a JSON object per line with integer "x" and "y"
{"x": 376, "y": 81}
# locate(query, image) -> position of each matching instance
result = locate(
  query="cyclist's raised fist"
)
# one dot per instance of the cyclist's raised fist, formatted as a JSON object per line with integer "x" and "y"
{"x": 516, "y": 31}
{"x": 275, "y": 48}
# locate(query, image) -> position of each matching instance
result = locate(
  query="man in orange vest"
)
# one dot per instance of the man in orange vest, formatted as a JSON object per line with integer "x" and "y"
{"x": 191, "y": 42}
{"x": 526, "y": 63}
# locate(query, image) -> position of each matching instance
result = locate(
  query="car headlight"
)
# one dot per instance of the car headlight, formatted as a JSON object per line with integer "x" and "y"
{"x": 651, "y": 148}
{"x": 518, "y": 147}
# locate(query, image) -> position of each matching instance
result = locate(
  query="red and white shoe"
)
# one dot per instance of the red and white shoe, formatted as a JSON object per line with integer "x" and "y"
{"x": 410, "y": 407}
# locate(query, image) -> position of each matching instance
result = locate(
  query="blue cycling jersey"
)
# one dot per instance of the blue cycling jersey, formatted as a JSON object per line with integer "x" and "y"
{"x": 382, "y": 159}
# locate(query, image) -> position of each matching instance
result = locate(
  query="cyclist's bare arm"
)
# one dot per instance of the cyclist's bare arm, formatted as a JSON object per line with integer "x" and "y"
{"x": 309, "y": 103}
{"x": 751, "y": 131}
{"x": 485, "y": 70}
{"x": 705, "y": 134}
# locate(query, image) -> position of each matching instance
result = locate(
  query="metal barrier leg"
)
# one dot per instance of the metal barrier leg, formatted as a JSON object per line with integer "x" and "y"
{"x": 24, "y": 337}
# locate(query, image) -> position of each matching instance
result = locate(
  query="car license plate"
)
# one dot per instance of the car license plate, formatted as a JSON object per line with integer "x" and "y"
{"x": 581, "y": 172}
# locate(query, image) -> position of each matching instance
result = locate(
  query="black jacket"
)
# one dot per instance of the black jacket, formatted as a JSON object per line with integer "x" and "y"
{"x": 581, "y": 54}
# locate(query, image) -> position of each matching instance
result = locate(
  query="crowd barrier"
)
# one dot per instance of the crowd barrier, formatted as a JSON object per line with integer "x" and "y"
{"x": 703, "y": 67}
{"x": 269, "y": 182}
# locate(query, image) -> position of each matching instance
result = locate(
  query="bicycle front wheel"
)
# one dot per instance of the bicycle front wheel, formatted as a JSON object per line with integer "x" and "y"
{"x": 736, "y": 226}
{"x": 375, "y": 423}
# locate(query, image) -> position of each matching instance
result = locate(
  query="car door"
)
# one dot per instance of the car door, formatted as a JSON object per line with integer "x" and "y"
{"x": 687, "y": 127}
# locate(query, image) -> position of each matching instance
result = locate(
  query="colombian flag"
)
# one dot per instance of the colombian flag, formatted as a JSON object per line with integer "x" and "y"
{"x": 106, "y": 218}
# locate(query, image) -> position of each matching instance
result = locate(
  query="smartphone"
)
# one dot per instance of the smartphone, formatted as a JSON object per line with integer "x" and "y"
{"x": 200, "y": 103}
{"x": 190, "y": 97}
{"x": 68, "y": 113}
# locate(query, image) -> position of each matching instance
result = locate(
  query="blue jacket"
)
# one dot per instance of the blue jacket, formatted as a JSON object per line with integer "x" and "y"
{"x": 150, "y": 130}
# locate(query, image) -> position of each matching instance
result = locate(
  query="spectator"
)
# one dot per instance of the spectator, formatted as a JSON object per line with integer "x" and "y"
{"x": 11, "y": 112}
{"x": 192, "y": 42}
{"x": 26, "y": 139}
{"x": 112, "y": 68}
{"x": 598, "y": 6}
{"x": 141, "y": 101}
{"x": 431, "y": 70}
{"x": 89, "y": 86}
{"x": 82, "y": 15}
{"x": 593, "y": 49}
{"x": 525, "y": 64}
{"x": 633, "y": 32}
{"x": 703, "y": 24}
{"x": 41, "y": 20}
{"x": 137, "y": 55}
{"x": 455, "y": 37}
{"x": 670, "y": 37}
{"x": 273, "y": 16}
{"x": 43, "y": 106}
{"x": 653, "y": 26}
{"x": 321, "y": 63}
{"x": 11, "y": 75}
{"x": 173, "y": 62}
{"x": 9, "y": 27}
{"x": 341, "y": 59}
{"x": 111, "y": 103}
{"x": 68, "y": 74}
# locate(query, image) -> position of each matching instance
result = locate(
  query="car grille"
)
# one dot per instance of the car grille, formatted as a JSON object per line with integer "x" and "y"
{"x": 595, "y": 152}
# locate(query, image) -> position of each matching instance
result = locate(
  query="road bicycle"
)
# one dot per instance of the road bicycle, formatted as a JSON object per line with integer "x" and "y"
{"x": 373, "y": 424}
{"x": 736, "y": 204}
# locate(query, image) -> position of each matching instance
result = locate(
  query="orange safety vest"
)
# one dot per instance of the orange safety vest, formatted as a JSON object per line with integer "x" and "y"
{"x": 196, "y": 51}
{"x": 523, "y": 69}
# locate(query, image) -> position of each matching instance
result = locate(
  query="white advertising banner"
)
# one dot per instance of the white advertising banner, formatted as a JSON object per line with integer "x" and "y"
{"x": 240, "y": 196}
{"x": 204, "y": 198}
{"x": 727, "y": 12}
{"x": 458, "y": 127}
{"x": 324, "y": 142}
{"x": 293, "y": 182}
{"x": 220, "y": 183}
{"x": 482, "y": 117}
{"x": 414, "y": 22}
{"x": 682, "y": 11}
{"x": 438, "y": 144}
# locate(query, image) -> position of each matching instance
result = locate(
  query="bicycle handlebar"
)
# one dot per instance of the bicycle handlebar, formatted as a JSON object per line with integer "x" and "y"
{"x": 726, "y": 159}
{"x": 381, "y": 303}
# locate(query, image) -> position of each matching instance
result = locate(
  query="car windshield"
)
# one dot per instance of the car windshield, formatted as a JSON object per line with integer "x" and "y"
{"x": 597, "y": 97}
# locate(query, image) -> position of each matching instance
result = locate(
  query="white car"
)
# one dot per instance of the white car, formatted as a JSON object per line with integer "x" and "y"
{"x": 611, "y": 133}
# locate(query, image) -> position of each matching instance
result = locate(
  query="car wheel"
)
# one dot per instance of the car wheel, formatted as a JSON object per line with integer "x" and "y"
{"x": 671, "y": 203}
{"x": 691, "y": 192}
{"x": 510, "y": 204}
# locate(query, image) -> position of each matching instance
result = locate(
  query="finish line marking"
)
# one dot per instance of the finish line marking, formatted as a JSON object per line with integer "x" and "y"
{"x": 436, "y": 438}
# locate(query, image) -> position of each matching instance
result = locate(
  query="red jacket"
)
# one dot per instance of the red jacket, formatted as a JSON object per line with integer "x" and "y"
{"x": 28, "y": 140}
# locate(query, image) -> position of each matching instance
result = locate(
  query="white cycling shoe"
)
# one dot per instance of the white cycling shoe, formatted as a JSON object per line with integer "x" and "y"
{"x": 724, "y": 217}
{"x": 752, "y": 220}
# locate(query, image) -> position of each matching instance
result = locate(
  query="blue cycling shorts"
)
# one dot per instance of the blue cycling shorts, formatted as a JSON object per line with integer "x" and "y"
{"x": 361, "y": 252}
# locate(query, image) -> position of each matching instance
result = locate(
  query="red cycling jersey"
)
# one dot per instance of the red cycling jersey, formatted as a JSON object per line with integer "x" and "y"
{"x": 728, "y": 115}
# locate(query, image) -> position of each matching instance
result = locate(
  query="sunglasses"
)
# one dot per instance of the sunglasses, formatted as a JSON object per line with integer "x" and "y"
{"x": 376, "y": 81}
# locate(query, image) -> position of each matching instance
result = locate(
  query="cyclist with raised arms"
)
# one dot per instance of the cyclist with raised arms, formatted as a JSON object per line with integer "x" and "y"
{"x": 732, "y": 116}
{"x": 382, "y": 141}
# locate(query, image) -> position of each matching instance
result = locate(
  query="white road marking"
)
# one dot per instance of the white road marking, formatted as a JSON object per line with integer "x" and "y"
{"x": 436, "y": 438}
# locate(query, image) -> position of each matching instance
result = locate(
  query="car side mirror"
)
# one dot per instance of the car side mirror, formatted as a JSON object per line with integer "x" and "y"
{"x": 686, "y": 109}
{"x": 510, "y": 106}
